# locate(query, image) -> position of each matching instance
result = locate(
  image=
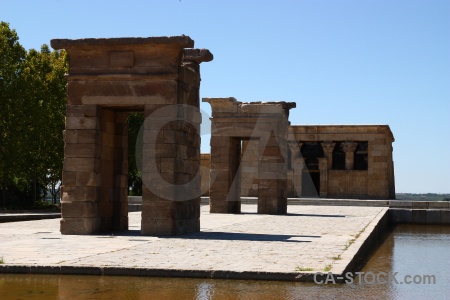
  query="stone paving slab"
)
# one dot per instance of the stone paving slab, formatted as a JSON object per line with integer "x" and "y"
{"x": 308, "y": 237}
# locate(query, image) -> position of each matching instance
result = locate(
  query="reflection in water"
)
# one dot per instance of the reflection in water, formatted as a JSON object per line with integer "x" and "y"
{"x": 410, "y": 250}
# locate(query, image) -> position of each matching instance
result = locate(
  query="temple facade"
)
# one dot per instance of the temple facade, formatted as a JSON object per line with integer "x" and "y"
{"x": 107, "y": 79}
{"x": 341, "y": 161}
{"x": 327, "y": 161}
{"x": 255, "y": 151}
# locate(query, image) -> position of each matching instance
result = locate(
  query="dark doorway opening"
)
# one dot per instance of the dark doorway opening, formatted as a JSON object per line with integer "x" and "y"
{"x": 311, "y": 184}
{"x": 310, "y": 152}
{"x": 234, "y": 195}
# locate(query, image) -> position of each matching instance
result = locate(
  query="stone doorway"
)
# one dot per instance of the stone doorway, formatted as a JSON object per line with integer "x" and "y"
{"x": 243, "y": 174}
{"x": 311, "y": 183}
{"x": 159, "y": 76}
{"x": 265, "y": 126}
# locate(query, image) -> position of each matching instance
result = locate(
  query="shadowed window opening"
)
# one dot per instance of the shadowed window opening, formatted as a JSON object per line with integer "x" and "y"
{"x": 361, "y": 156}
{"x": 338, "y": 157}
{"x": 310, "y": 152}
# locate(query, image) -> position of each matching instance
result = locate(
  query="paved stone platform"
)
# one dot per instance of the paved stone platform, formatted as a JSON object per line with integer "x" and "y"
{"x": 248, "y": 245}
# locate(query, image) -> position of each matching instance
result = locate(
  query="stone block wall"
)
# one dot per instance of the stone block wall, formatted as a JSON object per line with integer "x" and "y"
{"x": 377, "y": 182}
{"x": 167, "y": 208}
{"x": 95, "y": 170}
{"x": 205, "y": 162}
{"x": 260, "y": 128}
{"x": 347, "y": 184}
{"x": 108, "y": 78}
{"x": 249, "y": 167}
{"x": 82, "y": 170}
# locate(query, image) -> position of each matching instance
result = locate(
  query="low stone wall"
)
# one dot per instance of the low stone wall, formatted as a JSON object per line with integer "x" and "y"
{"x": 400, "y": 211}
{"x": 419, "y": 216}
{"x": 419, "y": 212}
{"x": 372, "y": 237}
{"x": 20, "y": 217}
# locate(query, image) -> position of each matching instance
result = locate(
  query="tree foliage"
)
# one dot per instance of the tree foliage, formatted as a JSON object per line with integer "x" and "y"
{"x": 32, "y": 109}
{"x": 12, "y": 55}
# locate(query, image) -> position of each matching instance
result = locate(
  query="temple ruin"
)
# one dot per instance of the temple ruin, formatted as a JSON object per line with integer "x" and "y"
{"x": 108, "y": 78}
{"x": 329, "y": 161}
{"x": 237, "y": 127}
{"x": 342, "y": 161}
{"x": 254, "y": 149}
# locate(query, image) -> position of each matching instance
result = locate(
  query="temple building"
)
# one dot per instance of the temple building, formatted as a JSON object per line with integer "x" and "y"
{"x": 342, "y": 161}
{"x": 326, "y": 161}
{"x": 255, "y": 151}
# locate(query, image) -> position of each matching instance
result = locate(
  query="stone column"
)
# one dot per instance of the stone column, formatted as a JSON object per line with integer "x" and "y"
{"x": 328, "y": 148}
{"x": 272, "y": 188}
{"x": 296, "y": 166}
{"x": 294, "y": 147}
{"x": 349, "y": 149}
{"x": 158, "y": 171}
{"x": 120, "y": 198}
{"x": 113, "y": 206}
{"x": 323, "y": 167}
{"x": 221, "y": 200}
{"x": 82, "y": 170}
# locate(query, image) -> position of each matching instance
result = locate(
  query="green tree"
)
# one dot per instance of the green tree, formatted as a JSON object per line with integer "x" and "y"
{"x": 32, "y": 109}
{"x": 43, "y": 112}
{"x": 12, "y": 56}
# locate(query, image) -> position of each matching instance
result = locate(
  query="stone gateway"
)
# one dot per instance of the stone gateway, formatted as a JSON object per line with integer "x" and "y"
{"x": 108, "y": 78}
{"x": 255, "y": 151}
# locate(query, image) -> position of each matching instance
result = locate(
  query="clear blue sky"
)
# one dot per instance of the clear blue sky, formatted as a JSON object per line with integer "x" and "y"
{"x": 342, "y": 62}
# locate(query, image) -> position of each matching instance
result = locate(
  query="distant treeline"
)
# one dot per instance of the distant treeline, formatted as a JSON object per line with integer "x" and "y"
{"x": 423, "y": 197}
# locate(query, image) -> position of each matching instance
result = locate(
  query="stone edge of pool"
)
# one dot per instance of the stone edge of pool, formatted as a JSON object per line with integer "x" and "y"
{"x": 352, "y": 257}
{"x": 351, "y": 260}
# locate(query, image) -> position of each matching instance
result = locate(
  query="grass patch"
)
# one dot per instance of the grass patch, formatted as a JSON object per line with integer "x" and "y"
{"x": 348, "y": 244}
{"x": 362, "y": 230}
{"x": 2, "y": 261}
{"x": 337, "y": 257}
{"x": 327, "y": 268}
{"x": 301, "y": 269}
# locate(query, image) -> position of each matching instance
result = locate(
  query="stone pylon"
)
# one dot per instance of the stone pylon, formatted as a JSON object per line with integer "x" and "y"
{"x": 108, "y": 78}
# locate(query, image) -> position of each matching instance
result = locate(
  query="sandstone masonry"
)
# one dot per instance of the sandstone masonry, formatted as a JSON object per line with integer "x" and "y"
{"x": 109, "y": 78}
{"x": 331, "y": 161}
{"x": 255, "y": 133}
